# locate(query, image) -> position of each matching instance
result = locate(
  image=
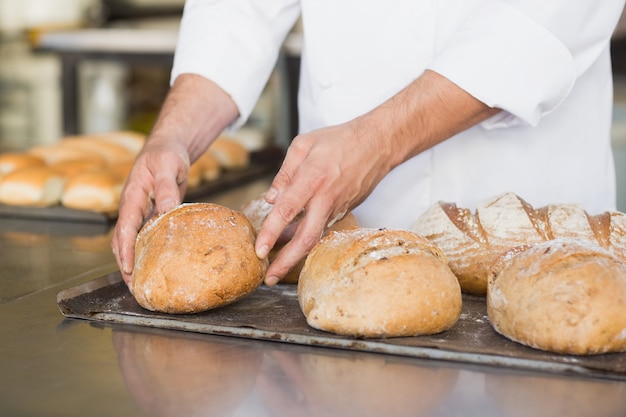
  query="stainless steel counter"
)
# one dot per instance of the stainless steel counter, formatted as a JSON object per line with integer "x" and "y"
{"x": 52, "y": 366}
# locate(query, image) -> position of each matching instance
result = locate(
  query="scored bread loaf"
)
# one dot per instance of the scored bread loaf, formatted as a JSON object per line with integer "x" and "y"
{"x": 378, "y": 283}
{"x": 472, "y": 241}
{"x": 563, "y": 295}
{"x": 195, "y": 257}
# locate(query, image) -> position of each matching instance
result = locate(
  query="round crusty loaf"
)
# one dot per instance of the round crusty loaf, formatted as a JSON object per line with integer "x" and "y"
{"x": 378, "y": 283}
{"x": 256, "y": 210}
{"x": 473, "y": 241}
{"x": 195, "y": 257}
{"x": 564, "y": 296}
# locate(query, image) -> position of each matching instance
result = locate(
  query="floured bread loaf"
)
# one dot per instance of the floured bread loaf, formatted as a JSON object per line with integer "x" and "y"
{"x": 564, "y": 296}
{"x": 39, "y": 186}
{"x": 195, "y": 257}
{"x": 378, "y": 283}
{"x": 472, "y": 241}
{"x": 256, "y": 211}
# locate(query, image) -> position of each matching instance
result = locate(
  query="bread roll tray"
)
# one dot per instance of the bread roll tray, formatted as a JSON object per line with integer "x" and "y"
{"x": 273, "y": 314}
{"x": 261, "y": 162}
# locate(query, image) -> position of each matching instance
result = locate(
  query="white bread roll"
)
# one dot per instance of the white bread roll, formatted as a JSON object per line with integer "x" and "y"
{"x": 211, "y": 169}
{"x": 378, "y": 283}
{"x": 133, "y": 141}
{"x": 230, "y": 153}
{"x": 53, "y": 154}
{"x": 563, "y": 296}
{"x": 35, "y": 186}
{"x": 109, "y": 151}
{"x": 195, "y": 257}
{"x": 12, "y": 161}
{"x": 473, "y": 241}
{"x": 92, "y": 190}
{"x": 72, "y": 167}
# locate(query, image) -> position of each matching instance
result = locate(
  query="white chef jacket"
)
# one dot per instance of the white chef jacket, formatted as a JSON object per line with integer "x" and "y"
{"x": 546, "y": 64}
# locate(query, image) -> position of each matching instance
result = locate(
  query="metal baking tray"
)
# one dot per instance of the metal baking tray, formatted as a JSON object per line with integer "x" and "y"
{"x": 273, "y": 314}
{"x": 261, "y": 162}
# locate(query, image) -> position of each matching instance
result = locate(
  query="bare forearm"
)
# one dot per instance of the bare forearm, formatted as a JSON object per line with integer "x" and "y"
{"x": 195, "y": 110}
{"x": 425, "y": 113}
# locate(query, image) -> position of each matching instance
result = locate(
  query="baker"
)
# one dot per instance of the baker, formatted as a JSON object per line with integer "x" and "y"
{"x": 400, "y": 105}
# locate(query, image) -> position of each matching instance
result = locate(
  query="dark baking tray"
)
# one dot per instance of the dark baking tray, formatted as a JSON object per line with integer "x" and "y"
{"x": 273, "y": 313}
{"x": 261, "y": 163}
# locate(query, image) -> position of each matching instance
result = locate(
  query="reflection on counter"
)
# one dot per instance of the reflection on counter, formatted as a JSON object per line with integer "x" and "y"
{"x": 519, "y": 395}
{"x": 186, "y": 374}
{"x": 183, "y": 375}
{"x": 338, "y": 383}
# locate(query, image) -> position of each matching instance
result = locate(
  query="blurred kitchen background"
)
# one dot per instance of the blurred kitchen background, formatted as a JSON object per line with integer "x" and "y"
{"x": 86, "y": 66}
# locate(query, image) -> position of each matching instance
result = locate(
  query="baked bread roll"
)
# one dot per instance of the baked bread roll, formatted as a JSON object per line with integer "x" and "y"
{"x": 256, "y": 211}
{"x": 36, "y": 186}
{"x": 472, "y": 241}
{"x": 133, "y": 141}
{"x": 53, "y": 154}
{"x": 378, "y": 283}
{"x": 72, "y": 167}
{"x": 109, "y": 151}
{"x": 230, "y": 153}
{"x": 93, "y": 190}
{"x": 195, "y": 257}
{"x": 563, "y": 295}
{"x": 12, "y": 161}
{"x": 211, "y": 169}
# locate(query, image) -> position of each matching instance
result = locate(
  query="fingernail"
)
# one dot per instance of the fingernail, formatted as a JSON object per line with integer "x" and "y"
{"x": 271, "y": 194}
{"x": 263, "y": 251}
{"x": 271, "y": 280}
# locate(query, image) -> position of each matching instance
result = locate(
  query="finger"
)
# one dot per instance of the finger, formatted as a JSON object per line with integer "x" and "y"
{"x": 168, "y": 191}
{"x": 294, "y": 156}
{"x": 286, "y": 208}
{"x": 308, "y": 234}
{"x": 281, "y": 215}
{"x": 135, "y": 207}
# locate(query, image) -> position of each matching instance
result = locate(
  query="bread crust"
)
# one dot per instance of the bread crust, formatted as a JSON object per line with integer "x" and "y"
{"x": 378, "y": 283}
{"x": 196, "y": 257}
{"x": 473, "y": 241}
{"x": 563, "y": 295}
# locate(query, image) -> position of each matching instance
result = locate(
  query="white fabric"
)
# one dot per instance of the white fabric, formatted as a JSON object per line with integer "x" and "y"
{"x": 547, "y": 64}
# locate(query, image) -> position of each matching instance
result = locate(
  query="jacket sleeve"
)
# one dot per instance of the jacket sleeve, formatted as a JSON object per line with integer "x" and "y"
{"x": 524, "y": 56}
{"x": 234, "y": 43}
